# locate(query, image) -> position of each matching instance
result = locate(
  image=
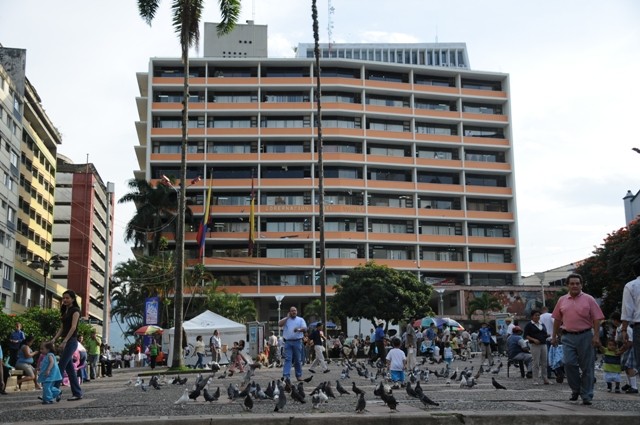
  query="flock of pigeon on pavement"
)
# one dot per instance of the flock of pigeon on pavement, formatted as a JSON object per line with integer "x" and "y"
{"x": 282, "y": 390}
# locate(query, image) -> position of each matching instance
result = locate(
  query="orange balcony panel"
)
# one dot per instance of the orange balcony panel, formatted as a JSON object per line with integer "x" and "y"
{"x": 489, "y": 190}
{"x": 197, "y": 81}
{"x": 490, "y": 215}
{"x": 195, "y": 157}
{"x": 388, "y": 110}
{"x": 286, "y": 105}
{"x": 240, "y": 236}
{"x": 340, "y": 106}
{"x": 486, "y": 141}
{"x": 166, "y": 131}
{"x": 284, "y": 157}
{"x": 429, "y": 212}
{"x": 479, "y": 165}
{"x": 233, "y": 132}
{"x": 477, "y": 240}
{"x": 342, "y": 209}
{"x": 305, "y": 182}
{"x": 168, "y": 80}
{"x": 228, "y": 157}
{"x": 165, "y": 106}
{"x": 392, "y": 211}
{"x": 396, "y": 264}
{"x": 345, "y": 236}
{"x": 390, "y": 159}
{"x": 286, "y": 81}
{"x": 229, "y": 209}
{"x": 165, "y": 157}
{"x": 384, "y": 184}
{"x": 302, "y": 209}
{"x": 484, "y": 117}
{"x": 435, "y": 89}
{"x": 436, "y": 113}
{"x": 443, "y": 265}
{"x": 438, "y": 138}
{"x": 332, "y": 131}
{"x": 483, "y": 93}
{"x": 196, "y": 209}
{"x": 197, "y": 106}
{"x": 340, "y": 81}
{"x": 305, "y": 131}
{"x": 448, "y": 163}
{"x": 393, "y": 237}
{"x": 336, "y": 156}
{"x": 232, "y": 106}
{"x": 380, "y": 134}
{"x": 229, "y": 183}
{"x": 434, "y": 187}
{"x": 510, "y": 267}
{"x": 253, "y": 261}
{"x": 345, "y": 262}
{"x": 330, "y": 182}
{"x": 224, "y": 81}
{"x": 387, "y": 85}
{"x": 441, "y": 239}
{"x": 295, "y": 236}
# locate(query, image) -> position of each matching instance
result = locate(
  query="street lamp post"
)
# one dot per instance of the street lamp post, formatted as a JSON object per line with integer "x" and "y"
{"x": 440, "y": 292}
{"x": 540, "y": 277}
{"x": 279, "y": 298}
{"x": 46, "y": 266}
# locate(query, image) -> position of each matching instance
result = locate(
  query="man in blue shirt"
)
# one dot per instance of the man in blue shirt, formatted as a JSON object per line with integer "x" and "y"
{"x": 15, "y": 341}
{"x": 484, "y": 336}
{"x": 379, "y": 340}
{"x": 293, "y": 329}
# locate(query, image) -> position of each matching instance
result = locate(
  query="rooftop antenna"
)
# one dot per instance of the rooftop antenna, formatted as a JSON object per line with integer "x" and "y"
{"x": 436, "y": 34}
{"x": 330, "y": 23}
{"x": 253, "y": 10}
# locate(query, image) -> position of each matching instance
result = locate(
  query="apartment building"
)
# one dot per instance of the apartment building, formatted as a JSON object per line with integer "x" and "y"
{"x": 81, "y": 232}
{"x": 418, "y": 167}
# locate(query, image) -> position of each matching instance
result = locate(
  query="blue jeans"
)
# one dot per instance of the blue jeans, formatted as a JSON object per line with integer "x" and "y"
{"x": 579, "y": 363}
{"x": 66, "y": 365}
{"x": 293, "y": 353}
{"x": 49, "y": 391}
{"x": 199, "y": 363}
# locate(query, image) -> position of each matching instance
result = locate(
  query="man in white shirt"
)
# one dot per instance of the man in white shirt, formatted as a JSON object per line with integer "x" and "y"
{"x": 546, "y": 319}
{"x": 630, "y": 314}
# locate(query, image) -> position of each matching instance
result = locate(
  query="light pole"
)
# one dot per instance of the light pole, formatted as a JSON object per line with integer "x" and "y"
{"x": 440, "y": 292}
{"x": 540, "y": 277}
{"x": 46, "y": 266}
{"x": 279, "y": 298}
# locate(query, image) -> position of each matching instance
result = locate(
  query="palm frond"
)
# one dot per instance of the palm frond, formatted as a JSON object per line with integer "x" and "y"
{"x": 147, "y": 9}
{"x": 229, "y": 13}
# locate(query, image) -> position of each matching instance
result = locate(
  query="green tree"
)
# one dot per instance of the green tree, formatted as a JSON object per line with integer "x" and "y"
{"x": 374, "y": 291}
{"x": 610, "y": 268}
{"x": 485, "y": 303}
{"x": 186, "y": 23}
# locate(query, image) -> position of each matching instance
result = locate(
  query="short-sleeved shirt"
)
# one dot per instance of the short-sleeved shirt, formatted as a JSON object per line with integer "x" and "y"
{"x": 577, "y": 313}
{"x": 485, "y": 335}
{"x": 67, "y": 320}
{"x": 316, "y": 336}
{"x": 290, "y": 325}
{"x": 397, "y": 357}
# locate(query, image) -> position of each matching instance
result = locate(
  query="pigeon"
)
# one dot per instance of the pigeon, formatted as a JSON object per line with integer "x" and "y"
{"x": 232, "y": 391}
{"x": 182, "y": 381}
{"x": 356, "y": 390}
{"x": 454, "y": 376}
{"x": 301, "y": 390}
{"x": 269, "y": 392}
{"x": 248, "y": 403}
{"x": 362, "y": 404}
{"x": 410, "y": 391}
{"x": 282, "y": 401}
{"x": 193, "y": 395}
{"x": 208, "y": 397}
{"x": 341, "y": 389}
{"x": 129, "y": 382}
{"x": 295, "y": 395}
{"x": 318, "y": 398}
{"x": 463, "y": 381}
{"x": 184, "y": 399}
{"x": 307, "y": 380}
{"x": 259, "y": 393}
{"x": 143, "y": 387}
{"x": 392, "y": 402}
{"x": 427, "y": 401}
{"x": 497, "y": 385}
{"x": 328, "y": 390}
{"x": 139, "y": 382}
{"x": 418, "y": 389}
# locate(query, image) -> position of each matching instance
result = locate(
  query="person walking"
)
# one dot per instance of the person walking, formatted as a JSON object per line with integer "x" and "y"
{"x": 578, "y": 316}
{"x": 630, "y": 316}
{"x": 546, "y": 319}
{"x": 381, "y": 353}
{"x": 15, "y": 342}
{"x": 154, "y": 349}
{"x": 410, "y": 344}
{"x": 92, "y": 344}
{"x": 199, "y": 351}
{"x": 215, "y": 345}
{"x": 484, "y": 336}
{"x": 70, "y": 315}
{"x": 49, "y": 374}
{"x": 536, "y": 333}
{"x": 293, "y": 329}
{"x": 318, "y": 346}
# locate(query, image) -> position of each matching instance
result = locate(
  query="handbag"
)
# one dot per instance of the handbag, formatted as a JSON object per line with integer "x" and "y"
{"x": 555, "y": 357}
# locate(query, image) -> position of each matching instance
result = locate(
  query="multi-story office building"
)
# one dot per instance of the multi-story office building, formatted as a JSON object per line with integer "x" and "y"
{"x": 418, "y": 167}
{"x": 80, "y": 235}
{"x": 33, "y": 220}
{"x": 10, "y": 132}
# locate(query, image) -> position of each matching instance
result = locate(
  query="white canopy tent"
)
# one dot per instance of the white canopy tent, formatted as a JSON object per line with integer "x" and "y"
{"x": 204, "y": 324}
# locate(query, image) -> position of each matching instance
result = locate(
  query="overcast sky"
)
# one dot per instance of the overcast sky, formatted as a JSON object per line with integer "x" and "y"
{"x": 574, "y": 67}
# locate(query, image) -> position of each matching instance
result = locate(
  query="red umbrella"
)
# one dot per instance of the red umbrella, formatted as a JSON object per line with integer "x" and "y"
{"x": 149, "y": 330}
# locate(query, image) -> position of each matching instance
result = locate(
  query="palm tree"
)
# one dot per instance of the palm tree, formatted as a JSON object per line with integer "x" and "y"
{"x": 186, "y": 22}
{"x": 485, "y": 303}
{"x": 156, "y": 209}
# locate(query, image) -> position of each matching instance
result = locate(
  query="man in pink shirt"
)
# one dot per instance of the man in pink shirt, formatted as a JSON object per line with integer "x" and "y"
{"x": 579, "y": 316}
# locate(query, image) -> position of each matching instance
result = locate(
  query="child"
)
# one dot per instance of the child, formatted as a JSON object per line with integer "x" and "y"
{"x": 396, "y": 362}
{"x": 448, "y": 354}
{"x": 49, "y": 374}
{"x": 612, "y": 367}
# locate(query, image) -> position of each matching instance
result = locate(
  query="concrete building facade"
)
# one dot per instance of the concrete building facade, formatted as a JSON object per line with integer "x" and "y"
{"x": 418, "y": 170}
